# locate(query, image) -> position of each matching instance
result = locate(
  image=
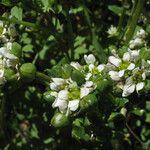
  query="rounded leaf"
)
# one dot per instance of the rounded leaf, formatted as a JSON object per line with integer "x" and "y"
{"x": 59, "y": 120}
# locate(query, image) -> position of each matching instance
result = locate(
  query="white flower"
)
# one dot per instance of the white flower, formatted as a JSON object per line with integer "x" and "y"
{"x": 134, "y": 82}
{"x": 76, "y": 65}
{"x": 135, "y": 43}
{"x": 141, "y": 34}
{"x": 114, "y": 75}
{"x": 115, "y": 61}
{"x": 61, "y": 100}
{"x": 87, "y": 88}
{"x": 57, "y": 83}
{"x": 10, "y": 60}
{"x": 73, "y": 105}
{"x": 112, "y": 30}
{"x": 101, "y": 67}
{"x": 90, "y": 59}
{"x": 84, "y": 91}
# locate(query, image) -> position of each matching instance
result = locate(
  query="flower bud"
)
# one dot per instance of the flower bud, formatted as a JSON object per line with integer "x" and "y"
{"x": 48, "y": 97}
{"x": 88, "y": 102}
{"x": 28, "y": 71}
{"x": 59, "y": 120}
{"x": 10, "y": 75}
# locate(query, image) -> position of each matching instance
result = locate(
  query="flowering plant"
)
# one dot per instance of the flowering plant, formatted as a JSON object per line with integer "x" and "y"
{"x": 71, "y": 77}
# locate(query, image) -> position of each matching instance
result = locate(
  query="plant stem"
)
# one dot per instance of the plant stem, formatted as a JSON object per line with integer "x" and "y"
{"x": 42, "y": 77}
{"x": 28, "y": 24}
{"x": 121, "y": 19}
{"x": 2, "y": 111}
{"x": 70, "y": 33}
{"x": 133, "y": 21}
{"x": 98, "y": 48}
{"x": 135, "y": 136}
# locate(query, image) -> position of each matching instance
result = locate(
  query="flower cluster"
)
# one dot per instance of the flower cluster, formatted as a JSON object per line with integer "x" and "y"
{"x": 128, "y": 72}
{"x": 7, "y": 58}
{"x": 138, "y": 40}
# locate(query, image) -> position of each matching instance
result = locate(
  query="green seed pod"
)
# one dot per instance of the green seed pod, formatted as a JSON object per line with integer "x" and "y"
{"x": 88, "y": 102}
{"x": 78, "y": 77}
{"x": 59, "y": 120}
{"x": 28, "y": 71}
{"x": 48, "y": 97}
{"x": 10, "y": 75}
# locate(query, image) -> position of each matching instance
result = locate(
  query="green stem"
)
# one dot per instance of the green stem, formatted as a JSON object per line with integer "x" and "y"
{"x": 134, "y": 135}
{"x": 70, "y": 33}
{"x": 121, "y": 19}
{"x": 28, "y": 24}
{"x": 42, "y": 77}
{"x": 98, "y": 48}
{"x": 133, "y": 21}
{"x": 2, "y": 108}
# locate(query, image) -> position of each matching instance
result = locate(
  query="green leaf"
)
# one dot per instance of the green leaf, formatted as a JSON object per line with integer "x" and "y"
{"x": 17, "y": 12}
{"x": 47, "y": 4}
{"x": 66, "y": 71}
{"x": 28, "y": 48}
{"x": 6, "y": 2}
{"x": 34, "y": 132}
{"x": 78, "y": 77}
{"x": 48, "y": 97}
{"x": 79, "y": 133}
{"x": 103, "y": 85}
{"x": 88, "y": 102}
{"x": 120, "y": 102}
{"x": 16, "y": 49}
{"x": 145, "y": 54}
{"x": 116, "y": 9}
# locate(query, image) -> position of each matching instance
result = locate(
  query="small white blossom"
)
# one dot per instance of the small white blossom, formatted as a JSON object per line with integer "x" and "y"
{"x": 57, "y": 83}
{"x": 73, "y": 105}
{"x": 76, "y": 65}
{"x": 90, "y": 59}
{"x": 112, "y": 30}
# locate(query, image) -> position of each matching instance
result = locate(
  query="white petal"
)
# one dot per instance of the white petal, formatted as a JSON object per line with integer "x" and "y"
{"x": 131, "y": 66}
{"x": 114, "y": 75}
{"x": 115, "y": 61}
{"x": 58, "y": 81}
{"x": 143, "y": 76}
{"x": 90, "y": 59}
{"x": 121, "y": 73}
{"x": 53, "y": 86}
{"x": 135, "y": 54}
{"x": 128, "y": 89}
{"x": 91, "y": 67}
{"x": 88, "y": 76}
{"x": 88, "y": 84}
{"x": 60, "y": 103}
{"x": 63, "y": 94}
{"x": 73, "y": 105}
{"x": 139, "y": 86}
{"x": 100, "y": 67}
{"x": 76, "y": 65}
{"x": 84, "y": 92}
{"x": 1, "y": 73}
{"x": 126, "y": 56}
{"x": 9, "y": 45}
